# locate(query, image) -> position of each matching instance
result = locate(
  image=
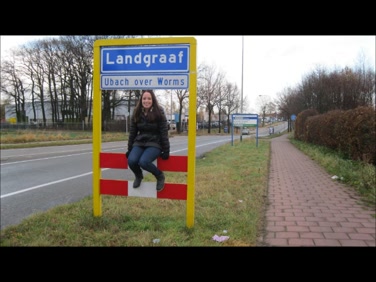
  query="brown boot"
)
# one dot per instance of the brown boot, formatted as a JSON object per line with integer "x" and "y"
{"x": 160, "y": 182}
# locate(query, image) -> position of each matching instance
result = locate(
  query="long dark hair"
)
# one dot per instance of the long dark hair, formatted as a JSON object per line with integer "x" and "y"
{"x": 156, "y": 111}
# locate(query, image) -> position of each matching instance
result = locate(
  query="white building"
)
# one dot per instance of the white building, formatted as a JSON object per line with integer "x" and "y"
{"x": 121, "y": 112}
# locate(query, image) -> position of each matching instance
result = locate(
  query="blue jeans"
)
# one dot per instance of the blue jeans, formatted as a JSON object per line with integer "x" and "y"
{"x": 143, "y": 157}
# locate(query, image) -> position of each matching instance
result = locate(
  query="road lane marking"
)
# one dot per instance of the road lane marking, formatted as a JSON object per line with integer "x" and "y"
{"x": 43, "y": 185}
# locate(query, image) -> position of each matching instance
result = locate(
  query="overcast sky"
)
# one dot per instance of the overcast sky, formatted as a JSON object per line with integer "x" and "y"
{"x": 270, "y": 63}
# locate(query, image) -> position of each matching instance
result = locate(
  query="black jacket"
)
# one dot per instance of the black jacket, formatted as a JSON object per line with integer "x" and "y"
{"x": 145, "y": 133}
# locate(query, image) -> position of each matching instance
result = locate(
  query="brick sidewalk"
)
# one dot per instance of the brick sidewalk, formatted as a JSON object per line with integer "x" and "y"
{"x": 306, "y": 207}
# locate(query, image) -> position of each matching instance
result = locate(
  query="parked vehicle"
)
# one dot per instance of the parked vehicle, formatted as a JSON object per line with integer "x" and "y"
{"x": 245, "y": 131}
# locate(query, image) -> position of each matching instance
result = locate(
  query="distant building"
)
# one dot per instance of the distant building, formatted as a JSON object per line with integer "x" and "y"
{"x": 121, "y": 112}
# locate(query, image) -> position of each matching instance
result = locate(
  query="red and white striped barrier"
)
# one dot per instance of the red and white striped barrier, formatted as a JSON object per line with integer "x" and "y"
{"x": 175, "y": 191}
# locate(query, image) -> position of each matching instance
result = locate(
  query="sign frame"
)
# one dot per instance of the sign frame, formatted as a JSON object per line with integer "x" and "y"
{"x": 97, "y": 111}
{"x": 244, "y": 117}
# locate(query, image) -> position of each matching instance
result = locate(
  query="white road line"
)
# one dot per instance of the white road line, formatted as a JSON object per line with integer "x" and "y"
{"x": 60, "y": 152}
{"x": 43, "y": 185}
{"x": 42, "y": 159}
{"x": 50, "y": 158}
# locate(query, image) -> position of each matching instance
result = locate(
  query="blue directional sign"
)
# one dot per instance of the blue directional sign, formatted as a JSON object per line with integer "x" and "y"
{"x": 246, "y": 120}
{"x": 151, "y": 59}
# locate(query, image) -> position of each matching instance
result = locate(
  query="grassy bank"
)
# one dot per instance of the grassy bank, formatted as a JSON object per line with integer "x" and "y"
{"x": 230, "y": 195}
{"x": 14, "y": 139}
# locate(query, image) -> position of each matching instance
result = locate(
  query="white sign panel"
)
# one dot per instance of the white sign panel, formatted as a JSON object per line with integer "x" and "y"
{"x": 157, "y": 81}
{"x": 245, "y": 122}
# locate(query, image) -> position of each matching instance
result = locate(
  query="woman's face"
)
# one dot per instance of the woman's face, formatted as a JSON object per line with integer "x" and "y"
{"x": 147, "y": 101}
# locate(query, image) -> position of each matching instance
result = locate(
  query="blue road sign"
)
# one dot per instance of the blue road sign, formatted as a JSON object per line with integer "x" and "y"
{"x": 293, "y": 117}
{"x": 245, "y": 116}
{"x": 245, "y": 119}
{"x": 151, "y": 59}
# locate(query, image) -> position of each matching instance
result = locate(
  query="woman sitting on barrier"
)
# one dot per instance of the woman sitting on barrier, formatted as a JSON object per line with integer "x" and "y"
{"x": 148, "y": 139}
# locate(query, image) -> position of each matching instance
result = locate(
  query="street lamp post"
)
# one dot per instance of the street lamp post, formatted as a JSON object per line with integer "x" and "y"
{"x": 241, "y": 97}
{"x": 241, "y": 100}
{"x": 171, "y": 108}
{"x": 182, "y": 120}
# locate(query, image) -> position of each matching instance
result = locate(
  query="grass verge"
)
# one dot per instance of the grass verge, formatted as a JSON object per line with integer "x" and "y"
{"x": 359, "y": 175}
{"x": 230, "y": 195}
{"x": 14, "y": 139}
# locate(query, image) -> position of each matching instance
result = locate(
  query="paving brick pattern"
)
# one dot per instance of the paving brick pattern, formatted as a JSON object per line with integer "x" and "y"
{"x": 306, "y": 207}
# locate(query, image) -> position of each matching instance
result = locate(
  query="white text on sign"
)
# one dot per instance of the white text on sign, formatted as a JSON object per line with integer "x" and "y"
{"x": 166, "y": 59}
{"x": 147, "y": 60}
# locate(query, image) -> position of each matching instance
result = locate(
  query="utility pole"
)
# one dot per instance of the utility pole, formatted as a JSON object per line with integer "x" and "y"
{"x": 241, "y": 100}
{"x": 171, "y": 106}
{"x": 241, "y": 97}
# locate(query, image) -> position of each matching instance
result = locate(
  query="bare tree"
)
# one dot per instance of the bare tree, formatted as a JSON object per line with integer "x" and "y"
{"x": 340, "y": 89}
{"x": 26, "y": 67}
{"x": 232, "y": 100}
{"x": 220, "y": 96}
{"x": 208, "y": 81}
{"x": 263, "y": 102}
{"x": 81, "y": 53}
{"x": 4, "y": 102}
{"x": 13, "y": 86}
{"x": 366, "y": 78}
{"x": 182, "y": 94}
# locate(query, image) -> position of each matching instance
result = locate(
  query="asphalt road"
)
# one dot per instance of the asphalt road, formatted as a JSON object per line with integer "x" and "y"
{"x": 34, "y": 180}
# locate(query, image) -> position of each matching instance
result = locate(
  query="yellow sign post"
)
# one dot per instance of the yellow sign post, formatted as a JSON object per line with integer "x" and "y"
{"x": 145, "y": 63}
